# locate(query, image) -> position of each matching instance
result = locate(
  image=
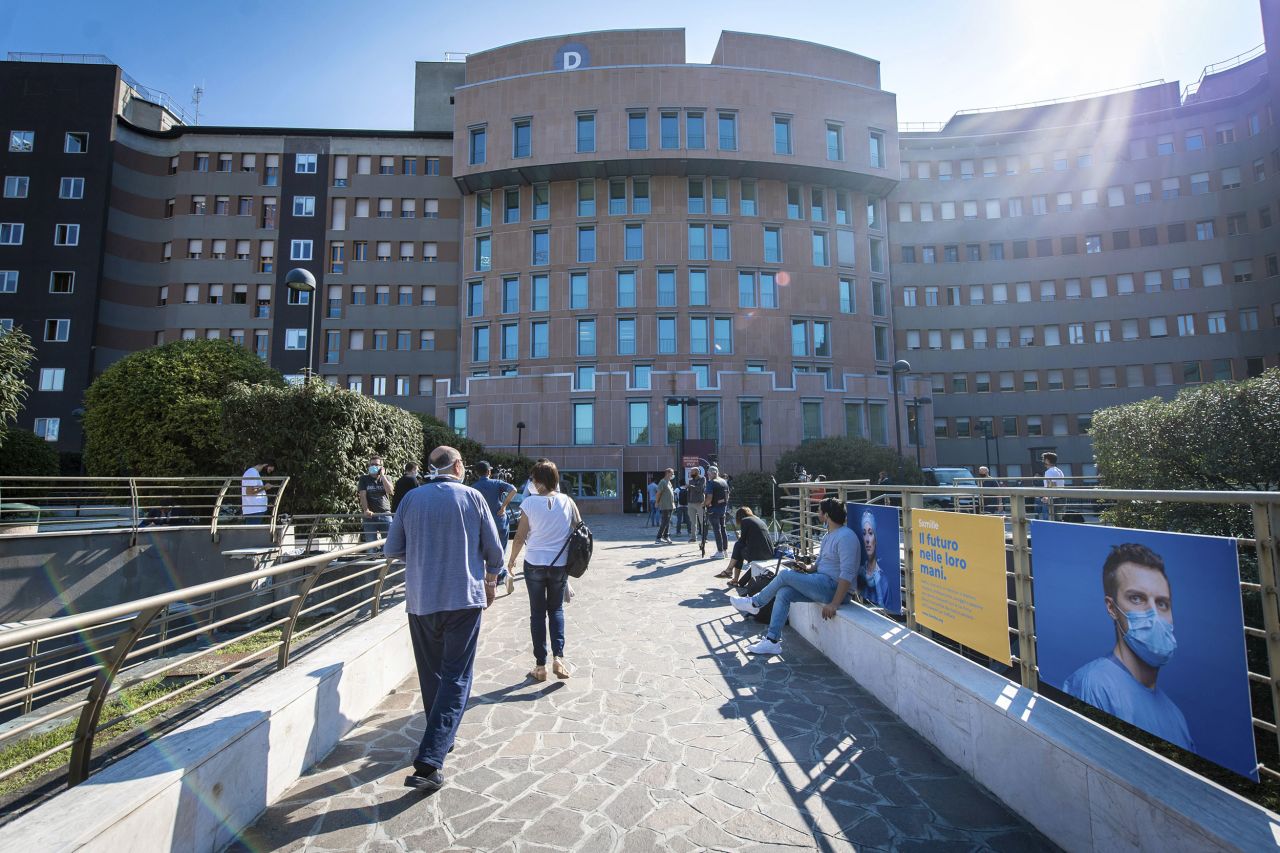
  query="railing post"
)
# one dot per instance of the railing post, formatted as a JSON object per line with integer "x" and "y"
{"x": 377, "y": 588}
{"x": 217, "y": 509}
{"x": 136, "y": 510}
{"x": 33, "y": 649}
{"x": 275, "y": 507}
{"x": 286, "y": 633}
{"x": 82, "y": 745}
{"x": 1022, "y": 593}
{"x": 1266, "y": 529}
{"x": 910, "y": 502}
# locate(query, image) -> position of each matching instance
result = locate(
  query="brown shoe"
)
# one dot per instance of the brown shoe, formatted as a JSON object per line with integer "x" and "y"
{"x": 538, "y": 673}
{"x": 725, "y": 574}
{"x": 560, "y": 668}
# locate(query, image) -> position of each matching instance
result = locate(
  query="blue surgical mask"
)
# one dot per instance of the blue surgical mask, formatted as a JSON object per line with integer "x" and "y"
{"x": 373, "y": 469}
{"x": 1150, "y": 637}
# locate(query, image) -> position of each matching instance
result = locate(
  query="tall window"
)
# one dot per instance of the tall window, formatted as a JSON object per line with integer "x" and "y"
{"x": 626, "y": 289}
{"x": 669, "y": 130}
{"x": 727, "y": 125}
{"x": 586, "y": 337}
{"x": 586, "y": 133}
{"x": 584, "y": 423}
{"x": 876, "y": 153}
{"x": 522, "y": 138}
{"x": 695, "y": 134}
{"x": 638, "y": 422}
{"x": 782, "y": 135}
{"x": 637, "y": 131}
{"x": 835, "y": 142}
{"x": 478, "y": 141}
{"x": 749, "y": 418}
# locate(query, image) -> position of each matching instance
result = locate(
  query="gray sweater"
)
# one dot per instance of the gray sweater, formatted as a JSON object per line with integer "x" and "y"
{"x": 447, "y": 537}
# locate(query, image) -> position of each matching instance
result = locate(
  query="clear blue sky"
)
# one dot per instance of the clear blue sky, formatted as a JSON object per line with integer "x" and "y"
{"x": 350, "y": 64}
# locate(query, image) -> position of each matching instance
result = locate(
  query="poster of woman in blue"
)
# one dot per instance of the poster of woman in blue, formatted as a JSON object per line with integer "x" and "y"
{"x": 879, "y": 567}
{"x": 1149, "y": 628}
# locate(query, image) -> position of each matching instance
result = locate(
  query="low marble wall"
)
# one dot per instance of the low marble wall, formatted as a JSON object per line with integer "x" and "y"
{"x": 1083, "y": 786}
{"x": 195, "y": 788}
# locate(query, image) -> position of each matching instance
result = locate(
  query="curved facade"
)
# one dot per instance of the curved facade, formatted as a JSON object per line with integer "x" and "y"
{"x": 636, "y": 228}
{"x": 1054, "y": 260}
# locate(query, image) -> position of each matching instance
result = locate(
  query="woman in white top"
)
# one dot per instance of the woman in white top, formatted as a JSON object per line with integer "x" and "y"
{"x": 546, "y": 519}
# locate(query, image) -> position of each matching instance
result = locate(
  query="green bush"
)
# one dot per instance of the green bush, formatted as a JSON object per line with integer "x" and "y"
{"x": 158, "y": 412}
{"x": 25, "y": 454}
{"x": 16, "y": 355}
{"x": 1224, "y": 436}
{"x": 320, "y": 437}
{"x": 846, "y": 459}
{"x": 753, "y": 489}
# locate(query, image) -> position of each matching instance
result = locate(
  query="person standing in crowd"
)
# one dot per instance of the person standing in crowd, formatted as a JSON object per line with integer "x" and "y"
{"x": 651, "y": 492}
{"x": 682, "y": 508}
{"x": 405, "y": 484}
{"x": 752, "y": 544}
{"x": 374, "y": 490}
{"x": 1053, "y": 479}
{"x": 990, "y": 503}
{"x": 497, "y": 494}
{"x": 697, "y": 495}
{"x": 449, "y": 543}
{"x": 827, "y": 584}
{"x": 666, "y": 505}
{"x": 546, "y": 520}
{"x": 717, "y": 504}
{"x": 638, "y": 500}
{"x": 253, "y": 492}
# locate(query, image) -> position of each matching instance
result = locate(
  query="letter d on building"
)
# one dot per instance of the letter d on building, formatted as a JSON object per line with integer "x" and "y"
{"x": 572, "y": 59}
{"x": 572, "y": 56}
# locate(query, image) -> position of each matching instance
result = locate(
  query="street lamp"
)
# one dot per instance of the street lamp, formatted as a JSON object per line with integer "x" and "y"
{"x": 760, "y": 441}
{"x": 916, "y": 403}
{"x": 519, "y": 437}
{"x": 986, "y": 439}
{"x": 900, "y": 366}
{"x": 302, "y": 281}
{"x": 681, "y": 402}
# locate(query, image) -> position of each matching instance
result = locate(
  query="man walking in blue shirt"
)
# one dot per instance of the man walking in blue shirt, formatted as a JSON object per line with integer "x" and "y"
{"x": 497, "y": 494}
{"x": 449, "y": 542}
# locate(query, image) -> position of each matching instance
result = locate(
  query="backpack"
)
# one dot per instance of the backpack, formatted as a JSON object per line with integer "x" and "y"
{"x": 580, "y": 544}
{"x": 754, "y": 585}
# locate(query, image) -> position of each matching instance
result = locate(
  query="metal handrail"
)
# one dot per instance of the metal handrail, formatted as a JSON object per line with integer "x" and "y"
{"x": 135, "y": 620}
{"x": 1264, "y": 507}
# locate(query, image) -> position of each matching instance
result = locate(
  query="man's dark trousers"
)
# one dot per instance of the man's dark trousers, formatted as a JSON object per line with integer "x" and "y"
{"x": 444, "y": 645}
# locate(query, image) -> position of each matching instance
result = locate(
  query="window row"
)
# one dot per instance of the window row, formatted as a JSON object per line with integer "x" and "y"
{"x": 64, "y": 234}
{"x": 1059, "y": 160}
{"x": 18, "y": 186}
{"x": 704, "y": 336}
{"x": 1072, "y": 289}
{"x": 60, "y": 281}
{"x": 308, "y": 164}
{"x": 682, "y": 129}
{"x": 344, "y": 209}
{"x": 1098, "y": 332}
{"x": 24, "y": 141}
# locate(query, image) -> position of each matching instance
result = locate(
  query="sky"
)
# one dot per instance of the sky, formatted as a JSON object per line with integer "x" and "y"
{"x": 332, "y": 64}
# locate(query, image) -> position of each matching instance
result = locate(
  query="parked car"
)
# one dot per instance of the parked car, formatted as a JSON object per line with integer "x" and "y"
{"x": 948, "y": 477}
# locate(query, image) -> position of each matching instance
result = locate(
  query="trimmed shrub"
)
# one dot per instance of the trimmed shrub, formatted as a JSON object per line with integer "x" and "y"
{"x": 25, "y": 454}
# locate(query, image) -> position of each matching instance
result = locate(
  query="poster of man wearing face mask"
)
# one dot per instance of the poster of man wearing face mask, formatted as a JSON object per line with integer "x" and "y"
{"x": 1149, "y": 628}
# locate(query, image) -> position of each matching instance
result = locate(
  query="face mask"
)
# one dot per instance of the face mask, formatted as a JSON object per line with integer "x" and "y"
{"x": 1150, "y": 637}
{"x": 373, "y": 469}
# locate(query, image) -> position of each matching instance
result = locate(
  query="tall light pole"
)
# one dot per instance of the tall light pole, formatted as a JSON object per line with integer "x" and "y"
{"x": 519, "y": 437}
{"x": 681, "y": 402}
{"x": 900, "y": 366}
{"x": 300, "y": 280}
{"x": 916, "y": 403}
{"x": 986, "y": 439}
{"x": 760, "y": 441}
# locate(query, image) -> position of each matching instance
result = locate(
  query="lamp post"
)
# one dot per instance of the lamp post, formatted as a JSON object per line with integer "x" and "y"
{"x": 300, "y": 280}
{"x": 899, "y": 367}
{"x": 760, "y": 441}
{"x": 519, "y": 437}
{"x": 681, "y": 402}
{"x": 916, "y": 403}
{"x": 986, "y": 440}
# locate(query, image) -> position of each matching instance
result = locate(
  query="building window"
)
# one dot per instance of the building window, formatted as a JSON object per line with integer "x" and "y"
{"x": 47, "y": 428}
{"x": 66, "y": 235}
{"x": 634, "y": 250}
{"x": 877, "y": 153}
{"x": 586, "y": 133}
{"x": 304, "y": 205}
{"x": 538, "y": 340}
{"x": 627, "y": 337}
{"x": 835, "y": 142}
{"x": 11, "y": 233}
{"x": 17, "y": 186}
{"x": 727, "y": 131}
{"x": 522, "y": 139}
{"x": 821, "y": 256}
{"x": 586, "y": 244}
{"x": 637, "y": 131}
{"x": 477, "y": 142}
{"x": 22, "y": 141}
{"x": 666, "y": 335}
{"x": 782, "y": 135}
{"x": 669, "y": 130}
{"x": 695, "y": 131}
{"x": 57, "y": 331}
{"x": 586, "y": 338}
{"x": 300, "y": 250}
{"x": 666, "y": 288}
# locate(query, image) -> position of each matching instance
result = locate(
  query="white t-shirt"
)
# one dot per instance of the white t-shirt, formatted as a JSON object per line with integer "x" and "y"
{"x": 252, "y": 504}
{"x": 550, "y": 520}
{"x": 1054, "y": 478}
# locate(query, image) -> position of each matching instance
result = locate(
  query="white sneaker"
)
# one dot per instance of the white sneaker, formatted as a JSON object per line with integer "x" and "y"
{"x": 718, "y": 555}
{"x": 765, "y": 647}
{"x": 743, "y": 603}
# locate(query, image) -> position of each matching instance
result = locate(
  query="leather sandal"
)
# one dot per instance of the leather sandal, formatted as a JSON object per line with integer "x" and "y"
{"x": 538, "y": 673}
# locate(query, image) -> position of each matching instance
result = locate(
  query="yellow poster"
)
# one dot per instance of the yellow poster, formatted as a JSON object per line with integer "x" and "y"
{"x": 960, "y": 586}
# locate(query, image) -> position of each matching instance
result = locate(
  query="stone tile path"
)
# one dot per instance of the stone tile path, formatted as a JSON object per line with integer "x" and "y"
{"x": 667, "y": 737}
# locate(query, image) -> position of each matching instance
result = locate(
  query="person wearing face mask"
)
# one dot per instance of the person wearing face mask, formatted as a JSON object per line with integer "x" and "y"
{"x": 374, "y": 490}
{"x": 1139, "y": 600}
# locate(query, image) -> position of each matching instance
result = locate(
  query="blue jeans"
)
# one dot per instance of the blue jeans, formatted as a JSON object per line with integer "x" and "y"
{"x": 1046, "y": 509}
{"x": 375, "y": 527}
{"x": 682, "y": 519}
{"x": 789, "y": 586}
{"x": 444, "y": 646}
{"x": 546, "y": 605}
{"x": 653, "y": 514}
{"x": 715, "y": 518}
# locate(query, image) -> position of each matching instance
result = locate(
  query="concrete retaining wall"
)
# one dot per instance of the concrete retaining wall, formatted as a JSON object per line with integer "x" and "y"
{"x": 1085, "y": 787}
{"x": 198, "y": 786}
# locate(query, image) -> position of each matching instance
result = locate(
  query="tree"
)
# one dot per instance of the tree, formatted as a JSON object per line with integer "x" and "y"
{"x": 1223, "y": 436}
{"x": 845, "y": 459}
{"x": 320, "y": 437}
{"x": 16, "y": 355}
{"x": 437, "y": 433}
{"x": 25, "y": 454}
{"x": 158, "y": 412}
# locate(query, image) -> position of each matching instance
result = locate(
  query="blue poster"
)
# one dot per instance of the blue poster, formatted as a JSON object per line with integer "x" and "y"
{"x": 879, "y": 561}
{"x": 1149, "y": 628}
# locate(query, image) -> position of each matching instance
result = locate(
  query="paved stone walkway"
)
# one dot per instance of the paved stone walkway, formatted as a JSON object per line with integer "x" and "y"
{"x": 667, "y": 737}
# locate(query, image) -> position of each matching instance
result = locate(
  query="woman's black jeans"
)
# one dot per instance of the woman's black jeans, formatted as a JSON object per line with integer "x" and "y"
{"x": 546, "y": 586}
